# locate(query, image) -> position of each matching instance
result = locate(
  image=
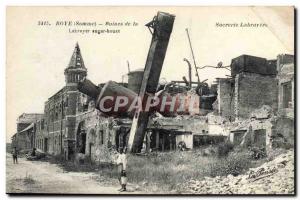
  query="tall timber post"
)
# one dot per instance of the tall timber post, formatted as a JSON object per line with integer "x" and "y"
{"x": 160, "y": 27}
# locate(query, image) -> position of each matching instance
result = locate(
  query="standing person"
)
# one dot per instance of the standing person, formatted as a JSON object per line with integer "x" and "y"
{"x": 15, "y": 155}
{"x": 33, "y": 153}
{"x": 122, "y": 162}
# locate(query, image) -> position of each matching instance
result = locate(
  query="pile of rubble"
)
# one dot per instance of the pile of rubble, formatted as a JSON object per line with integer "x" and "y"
{"x": 274, "y": 177}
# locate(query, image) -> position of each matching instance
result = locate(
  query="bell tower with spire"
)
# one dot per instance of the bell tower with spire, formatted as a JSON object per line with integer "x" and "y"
{"x": 74, "y": 73}
{"x": 76, "y": 70}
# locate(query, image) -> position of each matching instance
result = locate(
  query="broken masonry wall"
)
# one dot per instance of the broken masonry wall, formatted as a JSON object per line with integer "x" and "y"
{"x": 254, "y": 133}
{"x": 265, "y": 130}
{"x": 283, "y": 133}
{"x": 225, "y": 97}
{"x": 186, "y": 138}
{"x": 187, "y": 127}
{"x": 283, "y": 59}
{"x": 257, "y": 130}
{"x": 262, "y": 130}
{"x": 217, "y": 129}
{"x": 218, "y": 125}
{"x": 27, "y": 139}
{"x": 196, "y": 125}
{"x": 23, "y": 141}
{"x": 237, "y": 137}
{"x": 22, "y": 126}
{"x": 252, "y": 91}
{"x": 105, "y": 143}
{"x": 252, "y": 64}
{"x": 26, "y": 119}
{"x": 236, "y": 97}
{"x": 286, "y": 85}
{"x": 99, "y": 134}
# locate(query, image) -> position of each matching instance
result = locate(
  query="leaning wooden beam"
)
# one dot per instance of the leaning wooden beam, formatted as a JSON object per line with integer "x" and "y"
{"x": 161, "y": 28}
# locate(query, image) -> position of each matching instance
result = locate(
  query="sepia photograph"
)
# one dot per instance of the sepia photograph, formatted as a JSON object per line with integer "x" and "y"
{"x": 150, "y": 100}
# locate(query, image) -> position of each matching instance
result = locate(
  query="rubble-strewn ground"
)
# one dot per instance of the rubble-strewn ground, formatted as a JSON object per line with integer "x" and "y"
{"x": 43, "y": 177}
{"x": 274, "y": 177}
{"x": 199, "y": 171}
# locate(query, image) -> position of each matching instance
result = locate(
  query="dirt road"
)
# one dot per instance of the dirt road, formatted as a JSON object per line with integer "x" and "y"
{"x": 43, "y": 177}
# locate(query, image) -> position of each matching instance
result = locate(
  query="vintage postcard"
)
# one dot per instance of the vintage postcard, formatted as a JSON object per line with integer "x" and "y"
{"x": 150, "y": 100}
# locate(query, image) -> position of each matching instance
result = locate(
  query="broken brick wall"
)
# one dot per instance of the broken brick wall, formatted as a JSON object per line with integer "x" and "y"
{"x": 252, "y": 91}
{"x": 101, "y": 142}
{"x": 98, "y": 134}
{"x": 265, "y": 127}
{"x": 283, "y": 59}
{"x": 286, "y": 85}
{"x": 283, "y": 133}
{"x": 225, "y": 98}
{"x": 195, "y": 125}
{"x": 255, "y": 133}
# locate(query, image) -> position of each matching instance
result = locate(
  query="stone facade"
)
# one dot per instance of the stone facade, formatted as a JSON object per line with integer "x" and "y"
{"x": 26, "y": 119}
{"x": 24, "y": 140}
{"x": 71, "y": 125}
{"x": 264, "y": 107}
{"x": 25, "y": 136}
{"x": 285, "y": 125}
{"x": 286, "y": 85}
{"x": 225, "y": 97}
{"x": 253, "y": 91}
{"x": 249, "y": 88}
{"x": 57, "y": 135}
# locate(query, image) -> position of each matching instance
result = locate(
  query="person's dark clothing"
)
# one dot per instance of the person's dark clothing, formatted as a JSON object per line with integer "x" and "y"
{"x": 33, "y": 153}
{"x": 15, "y": 156}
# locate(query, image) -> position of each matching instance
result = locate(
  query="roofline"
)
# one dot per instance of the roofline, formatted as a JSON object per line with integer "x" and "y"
{"x": 55, "y": 94}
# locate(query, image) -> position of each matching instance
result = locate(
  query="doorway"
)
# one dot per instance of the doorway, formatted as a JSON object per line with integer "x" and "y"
{"x": 46, "y": 145}
{"x": 260, "y": 138}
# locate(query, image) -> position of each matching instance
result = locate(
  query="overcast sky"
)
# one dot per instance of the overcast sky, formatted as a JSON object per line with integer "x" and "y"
{"x": 37, "y": 55}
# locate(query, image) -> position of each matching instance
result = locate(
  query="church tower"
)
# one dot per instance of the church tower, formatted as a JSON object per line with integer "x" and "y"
{"x": 76, "y": 70}
{"x": 74, "y": 73}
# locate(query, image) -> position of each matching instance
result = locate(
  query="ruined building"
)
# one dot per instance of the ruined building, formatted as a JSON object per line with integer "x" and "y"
{"x": 26, "y": 130}
{"x": 62, "y": 108}
{"x": 286, "y": 97}
{"x": 70, "y": 123}
{"x": 286, "y": 85}
{"x": 263, "y": 101}
{"x": 254, "y": 105}
{"x": 252, "y": 84}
